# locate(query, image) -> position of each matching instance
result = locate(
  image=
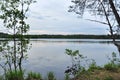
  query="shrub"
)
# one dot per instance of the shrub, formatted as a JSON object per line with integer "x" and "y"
{"x": 34, "y": 76}
{"x": 110, "y": 67}
{"x": 1, "y": 78}
{"x": 67, "y": 77}
{"x": 76, "y": 66}
{"x": 108, "y": 78}
{"x": 93, "y": 66}
{"x": 14, "y": 75}
{"x": 97, "y": 78}
{"x": 51, "y": 76}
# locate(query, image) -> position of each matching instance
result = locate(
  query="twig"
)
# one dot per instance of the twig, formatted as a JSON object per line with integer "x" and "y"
{"x": 97, "y": 21}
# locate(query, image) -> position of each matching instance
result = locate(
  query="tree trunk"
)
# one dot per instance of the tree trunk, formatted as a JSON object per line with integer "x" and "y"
{"x": 108, "y": 21}
{"x": 115, "y": 11}
{"x": 14, "y": 53}
{"x": 21, "y": 40}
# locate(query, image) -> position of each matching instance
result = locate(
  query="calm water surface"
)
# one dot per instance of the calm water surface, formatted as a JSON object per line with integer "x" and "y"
{"x": 49, "y": 54}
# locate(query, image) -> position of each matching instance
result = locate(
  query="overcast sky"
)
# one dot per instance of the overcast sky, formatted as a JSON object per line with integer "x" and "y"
{"x": 52, "y": 17}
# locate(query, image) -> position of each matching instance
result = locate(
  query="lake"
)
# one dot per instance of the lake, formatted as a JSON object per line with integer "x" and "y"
{"x": 49, "y": 54}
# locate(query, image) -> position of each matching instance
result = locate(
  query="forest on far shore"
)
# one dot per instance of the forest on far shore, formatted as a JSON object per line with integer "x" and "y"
{"x": 70, "y": 36}
{"x": 73, "y": 36}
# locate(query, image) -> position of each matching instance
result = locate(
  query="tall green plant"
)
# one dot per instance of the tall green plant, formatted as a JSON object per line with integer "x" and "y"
{"x": 13, "y": 14}
{"x": 14, "y": 75}
{"x": 34, "y": 76}
{"x": 67, "y": 77}
{"x": 51, "y": 76}
{"x": 114, "y": 63}
{"x": 76, "y": 66}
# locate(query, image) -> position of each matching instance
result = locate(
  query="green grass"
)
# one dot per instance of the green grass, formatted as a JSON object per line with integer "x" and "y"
{"x": 34, "y": 76}
{"x": 51, "y": 76}
{"x": 67, "y": 77}
{"x": 14, "y": 75}
{"x": 108, "y": 78}
{"x": 111, "y": 67}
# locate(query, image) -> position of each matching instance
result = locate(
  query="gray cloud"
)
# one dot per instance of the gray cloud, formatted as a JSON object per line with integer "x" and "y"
{"x": 51, "y": 16}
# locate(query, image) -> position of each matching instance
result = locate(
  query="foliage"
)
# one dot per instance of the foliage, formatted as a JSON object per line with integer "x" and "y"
{"x": 1, "y": 78}
{"x": 97, "y": 79}
{"x": 14, "y": 75}
{"x": 114, "y": 59}
{"x": 113, "y": 64}
{"x": 67, "y": 77}
{"x": 108, "y": 78}
{"x": 93, "y": 66}
{"x": 51, "y": 76}
{"x": 76, "y": 66}
{"x": 77, "y": 36}
{"x": 13, "y": 14}
{"x": 34, "y": 76}
{"x": 94, "y": 6}
{"x": 108, "y": 8}
{"x": 110, "y": 67}
{"x": 93, "y": 72}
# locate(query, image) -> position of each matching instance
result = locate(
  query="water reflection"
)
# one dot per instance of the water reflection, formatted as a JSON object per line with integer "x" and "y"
{"x": 75, "y": 40}
{"x": 118, "y": 46}
{"x": 49, "y": 54}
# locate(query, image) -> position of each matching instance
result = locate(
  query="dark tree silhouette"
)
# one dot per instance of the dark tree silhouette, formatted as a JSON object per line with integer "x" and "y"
{"x": 108, "y": 8}
{"x": 105, "y": 8}
{"x": 13, "y": 14}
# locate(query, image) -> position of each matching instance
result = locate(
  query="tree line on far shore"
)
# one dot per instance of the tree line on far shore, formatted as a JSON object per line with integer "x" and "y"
{"x": 70, "y": 36}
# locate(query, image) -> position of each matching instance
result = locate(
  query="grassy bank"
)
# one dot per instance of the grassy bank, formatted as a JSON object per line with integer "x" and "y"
{"x": 109, "y": 71}
{"x": 99, "y": 75}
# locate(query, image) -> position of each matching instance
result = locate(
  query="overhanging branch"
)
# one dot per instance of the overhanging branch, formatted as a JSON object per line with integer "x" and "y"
{"x": 97, "y": 21}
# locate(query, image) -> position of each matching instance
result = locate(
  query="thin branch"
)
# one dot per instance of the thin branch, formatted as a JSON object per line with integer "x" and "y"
{"x": 97, "y": 21}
